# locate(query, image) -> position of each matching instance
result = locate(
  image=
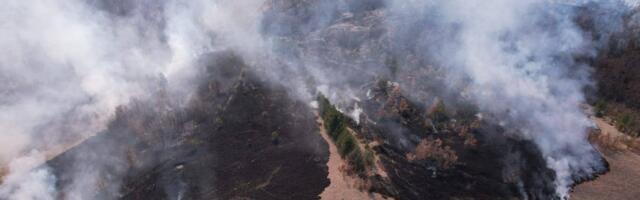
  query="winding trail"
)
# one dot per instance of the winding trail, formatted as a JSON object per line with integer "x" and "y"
{"x": 342, "y": 186}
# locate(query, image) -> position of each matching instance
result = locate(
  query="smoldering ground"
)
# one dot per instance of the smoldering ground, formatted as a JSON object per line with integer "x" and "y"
{"x": 515, "y": 60}
{"x": 66, "y": 66}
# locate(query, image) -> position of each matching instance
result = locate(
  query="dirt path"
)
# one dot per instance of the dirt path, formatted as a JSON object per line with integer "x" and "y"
{"x": 342, "y": 186}
{"x": 611, "y": 136}
{"x": 623, "y": 180}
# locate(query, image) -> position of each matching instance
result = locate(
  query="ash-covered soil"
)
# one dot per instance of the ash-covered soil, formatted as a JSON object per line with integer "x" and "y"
{"x": 239, "y": 138}
{"x": 242, "y": 137}
{"x": 466, "y": 159}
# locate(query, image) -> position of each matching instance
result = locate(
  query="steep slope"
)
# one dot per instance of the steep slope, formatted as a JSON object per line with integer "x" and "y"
{"x": 239, "y": 138}
{"x": 465, "y": 158}
{"x": 412, "y": 133}
{"x": 242, "y": 138}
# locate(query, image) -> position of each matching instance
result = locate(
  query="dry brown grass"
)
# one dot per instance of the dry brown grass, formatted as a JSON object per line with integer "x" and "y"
{"x": 609, "y": 138}
{"x": 433, "y": 149}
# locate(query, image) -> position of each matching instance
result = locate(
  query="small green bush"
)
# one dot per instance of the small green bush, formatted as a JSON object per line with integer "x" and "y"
{"x": 438, "y": 112}
{"x": 599, "y": 108}
{"x": 336, "y": 127}
{"x": 627, "y": 124}
{"x": 369, "y": 158}
{"x": 355, "y": 159}
{"x": 275, "y": 137}
{"x": 345, "y": 143}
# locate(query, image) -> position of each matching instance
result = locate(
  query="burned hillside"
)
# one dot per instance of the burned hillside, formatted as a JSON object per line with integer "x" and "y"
{"x": 313, "y": 99}
{"x": 447, "y": 158}
{"x": 241, "y": 137}
{"x": 238, "y": 138}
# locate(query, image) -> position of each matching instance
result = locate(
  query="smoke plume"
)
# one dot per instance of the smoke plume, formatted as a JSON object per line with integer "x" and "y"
{"x": 66, "y": 65}
{"x": 520, "y": 59}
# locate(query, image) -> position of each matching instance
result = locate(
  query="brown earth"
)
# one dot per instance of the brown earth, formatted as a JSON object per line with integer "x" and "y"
{"x": 342, "y": 186}
{"x": 621, "y": 182}
{"x": 623, "y": 179}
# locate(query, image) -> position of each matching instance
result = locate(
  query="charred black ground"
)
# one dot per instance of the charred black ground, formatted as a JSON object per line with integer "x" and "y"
{"x": 245, "y": 138}
{"x": 239, "y": 138}
{"x": 242, "y": 136}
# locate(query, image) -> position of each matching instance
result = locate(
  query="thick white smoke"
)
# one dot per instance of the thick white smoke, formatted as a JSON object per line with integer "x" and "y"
{"x": 28, "y": 180}
{"x": 519, "y": 57}
{"x": 523, "y": 68}
{"x": 66, "y": 65}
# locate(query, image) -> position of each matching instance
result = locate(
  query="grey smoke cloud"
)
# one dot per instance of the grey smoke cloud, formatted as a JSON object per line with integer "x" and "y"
{"x": 515, "y": 59}
{"x": 525, "y": 72}
{"x": 519, "y": 58}
{"x": 27, "y": 180}
{"x": 66, "y": 65}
